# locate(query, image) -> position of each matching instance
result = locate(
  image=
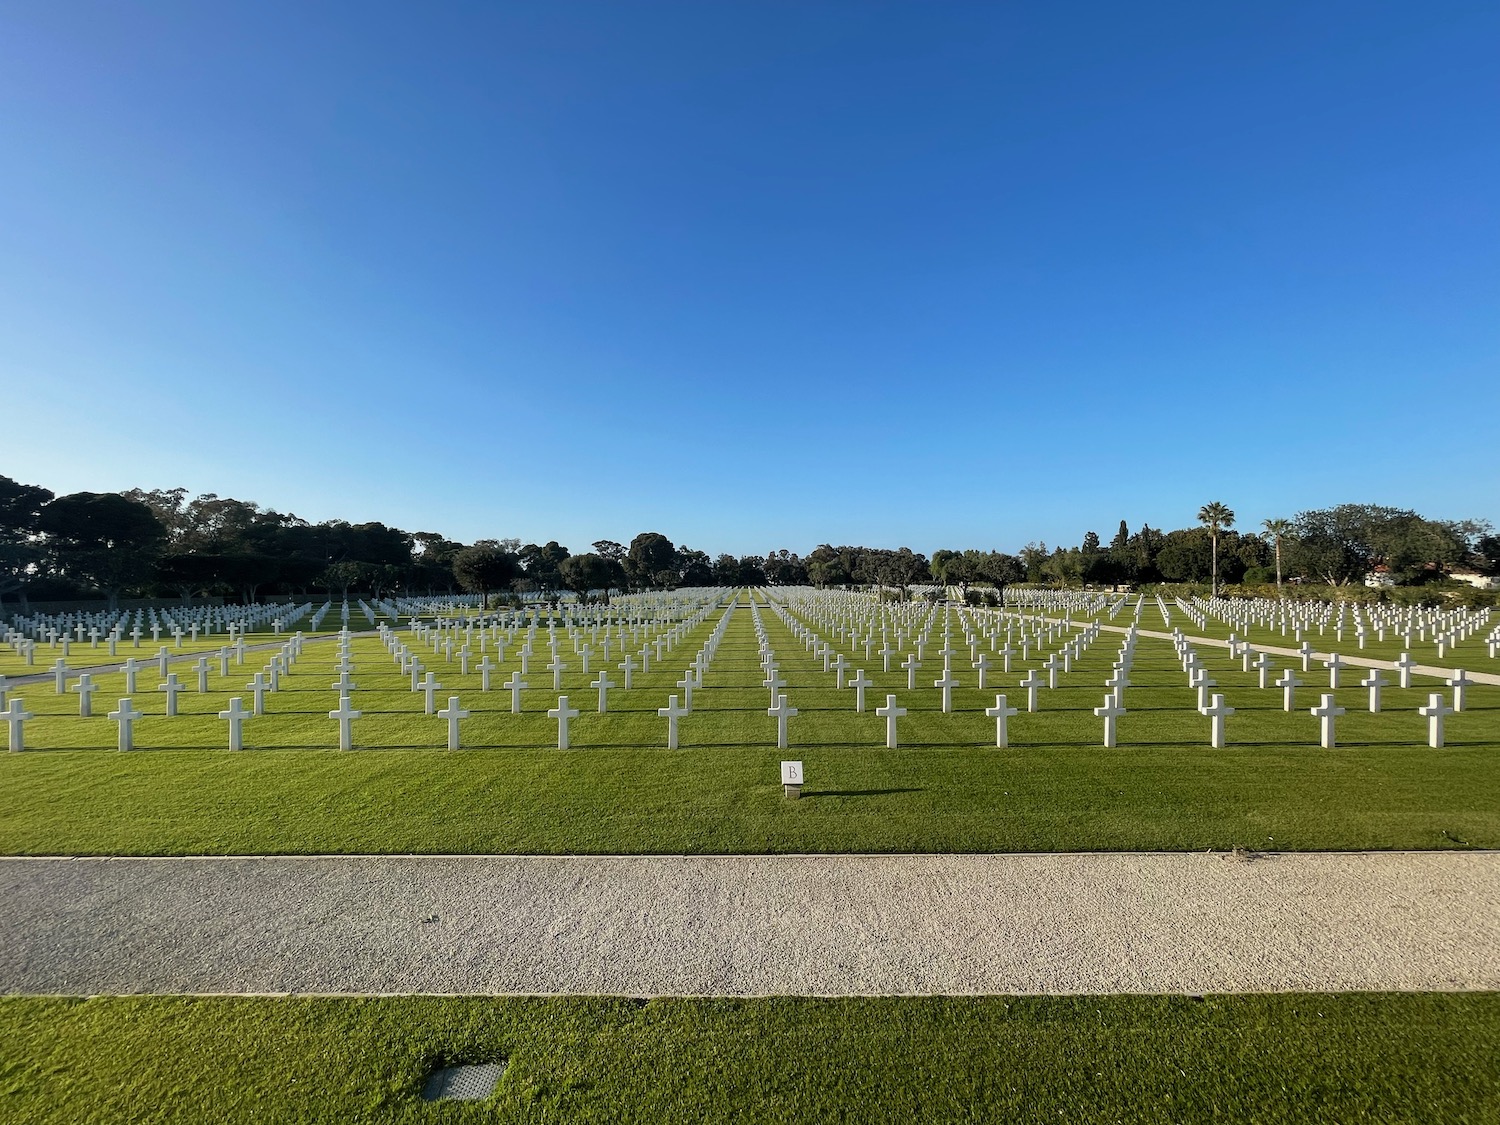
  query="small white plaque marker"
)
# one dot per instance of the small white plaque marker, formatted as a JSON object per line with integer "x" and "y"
{"x": 791, "y": 779}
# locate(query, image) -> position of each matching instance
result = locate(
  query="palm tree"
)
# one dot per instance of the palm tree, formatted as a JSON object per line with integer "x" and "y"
{"x": 1216, "y": 517}
{"x": 1276, "y": 529}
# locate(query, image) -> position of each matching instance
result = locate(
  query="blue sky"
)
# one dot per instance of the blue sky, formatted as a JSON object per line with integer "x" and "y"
{"x": 755, "y": 275}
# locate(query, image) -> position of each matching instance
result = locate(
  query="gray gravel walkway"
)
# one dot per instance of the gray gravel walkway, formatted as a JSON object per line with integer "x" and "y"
{"x": 752, "y": 925}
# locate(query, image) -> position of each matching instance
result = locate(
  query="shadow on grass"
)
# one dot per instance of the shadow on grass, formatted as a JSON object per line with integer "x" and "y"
{"x": 809, "y": 795}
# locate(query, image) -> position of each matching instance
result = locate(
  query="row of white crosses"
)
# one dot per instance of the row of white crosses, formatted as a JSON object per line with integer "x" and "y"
{"x": 780, "y": 709}
{"x": 1212, "y": 705}
{"x": 892, "y": 711}
{"x": 61, "y": 631}
{"x": 1445, "y": 629}
{"x": 1327, "y": 711}
{"x": 854, "y": 619}
{"x": 672, "y": 712}
{"x": 126, "y": 715}
{"x": 564, "y": 712}
{"x": 345, "y": 713}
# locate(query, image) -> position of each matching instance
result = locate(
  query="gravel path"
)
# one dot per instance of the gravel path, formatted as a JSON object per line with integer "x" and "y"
{"x": 752, "y": 925}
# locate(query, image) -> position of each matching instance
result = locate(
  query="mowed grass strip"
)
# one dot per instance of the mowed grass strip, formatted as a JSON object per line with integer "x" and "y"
{"x": 1284, "y": 1058}
{"x": 1056, "y": 798}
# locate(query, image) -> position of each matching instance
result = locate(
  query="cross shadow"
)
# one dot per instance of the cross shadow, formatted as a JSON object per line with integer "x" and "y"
{"x": 806, "y": 795}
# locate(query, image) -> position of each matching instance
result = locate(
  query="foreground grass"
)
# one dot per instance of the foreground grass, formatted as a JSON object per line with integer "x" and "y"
{"x": 1303, "y": 1058}
{"x": 1057, "y": 798}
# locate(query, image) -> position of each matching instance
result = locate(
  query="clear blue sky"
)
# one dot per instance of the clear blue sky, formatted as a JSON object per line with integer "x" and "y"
{"x": 755, "y": 275}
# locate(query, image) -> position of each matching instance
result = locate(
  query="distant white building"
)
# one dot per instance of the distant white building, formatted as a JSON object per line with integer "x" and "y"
{"x": 1380, "y": 577}
{"x": 1475, "y": 579}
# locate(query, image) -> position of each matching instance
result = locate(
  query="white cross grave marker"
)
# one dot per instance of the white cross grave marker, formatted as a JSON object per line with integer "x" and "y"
{"x": 1436, "y": 710}
{"x": 172, "y": 687}
{"x": 345, "y": 714}
{"x": 516, "y": 686}
{"x": 1216, "y": 713}
{"x": 947, "y": 683}
{"x": 911, "y": 665}
{"x": 671, "y": 712}
{"x": 1404, "y": 668}
{"x": 1000, "y": 713}
{"x": 890, "y": 713}
{"x": 15, "y": 719}
{"x": 859, "y": 683}
{"x": 603, "y": 683}
{"x": 236, "y": 715}
{"x": 453, "y": 714}
{"x": 430, "y": 686}
{"x": 1327, "y": 713}
{"x": 1459, "y": 681}
{"x": 1032, "y": 683}
{"x": 1110, "y": 713}
{"x": 781, "y": 713}
{"x": 1288, "y": 683}
{"x": 85, "y": 689}
{"x": 126, "y": 715}
{"x": 1335, "y": 664}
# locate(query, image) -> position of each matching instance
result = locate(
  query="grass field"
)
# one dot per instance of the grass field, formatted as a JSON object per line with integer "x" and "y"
{"x": 1297, "y": 1058}
{"x": 729, "y": 801}
{"x": 619, "y": 790}
{"x": 1302, "y": 1059}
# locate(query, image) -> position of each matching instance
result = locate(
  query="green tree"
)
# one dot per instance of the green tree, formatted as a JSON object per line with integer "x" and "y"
{"x": 1216, "y": 517}
{"x": 484, "y": 568}
{"x": 1277, "y": 529}
{"x": 1186, "y": 555}
{"x": 784, "y": 568}
{"x": 343, "y": 574}
{"x": 827, "y": 566}
{"x": 1034, "y": 558}
{"x": 694, "y": 568}
{"x": 1487, "y": 552}
{"x": 21, "y": 553}
{"x": 104, "y": 539}
{"x": 541, "y": 564}
{"x": 1340, "y": 544}
{"x": 1001, "y": 569}
{"x": 431, "y": 567}
{"x": 650, "y": 557}
{"x": 187, "y": 572}
{"x": 586, "y": 572}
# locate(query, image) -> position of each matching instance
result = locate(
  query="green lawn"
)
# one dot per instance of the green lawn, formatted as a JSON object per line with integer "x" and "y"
{"x": 729, "y": 801}
{"x": 1297, "y": 1058}
{"x": 619, "y": 790}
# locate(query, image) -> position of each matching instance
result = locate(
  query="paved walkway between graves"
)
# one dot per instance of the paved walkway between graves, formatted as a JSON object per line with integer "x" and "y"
{"x": 752, "y": 925}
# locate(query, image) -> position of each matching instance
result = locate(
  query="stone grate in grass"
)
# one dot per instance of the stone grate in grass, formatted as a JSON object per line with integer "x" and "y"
{"x": 462, "y": 1083}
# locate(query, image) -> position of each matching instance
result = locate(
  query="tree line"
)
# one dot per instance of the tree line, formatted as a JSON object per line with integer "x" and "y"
{"x": 165, "y": 543}
{"x": 1333, "y": 546}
